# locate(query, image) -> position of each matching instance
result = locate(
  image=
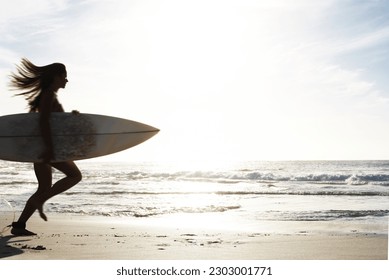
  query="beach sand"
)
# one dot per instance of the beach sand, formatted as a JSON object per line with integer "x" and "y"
{"x": 105, "y": 238}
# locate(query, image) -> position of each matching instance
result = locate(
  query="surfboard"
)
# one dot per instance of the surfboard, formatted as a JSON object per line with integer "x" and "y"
{"x": 75, "y": 136}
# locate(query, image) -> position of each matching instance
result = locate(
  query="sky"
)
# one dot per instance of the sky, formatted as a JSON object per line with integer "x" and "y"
{"x": 224, "y": 80}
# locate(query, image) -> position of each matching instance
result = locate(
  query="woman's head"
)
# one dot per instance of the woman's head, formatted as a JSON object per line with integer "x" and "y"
{"x": 32, "y": 79}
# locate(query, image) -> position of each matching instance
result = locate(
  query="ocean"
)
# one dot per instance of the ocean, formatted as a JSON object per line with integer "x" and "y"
{"x": 244, "y": 193}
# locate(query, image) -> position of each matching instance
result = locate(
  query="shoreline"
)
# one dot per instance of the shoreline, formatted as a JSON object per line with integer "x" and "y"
{"x": 72, "y": 237}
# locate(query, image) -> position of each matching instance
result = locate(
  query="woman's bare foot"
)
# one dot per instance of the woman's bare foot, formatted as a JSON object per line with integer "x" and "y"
{"x": 39, "y": 206}
{"x": 41, "y": 214}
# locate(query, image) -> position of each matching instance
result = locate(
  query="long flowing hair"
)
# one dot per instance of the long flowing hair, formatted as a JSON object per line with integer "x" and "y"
{"x": 32, "y": 80}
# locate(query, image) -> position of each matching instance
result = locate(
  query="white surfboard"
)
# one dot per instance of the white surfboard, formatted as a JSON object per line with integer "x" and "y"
{"x": 75, "y": 137}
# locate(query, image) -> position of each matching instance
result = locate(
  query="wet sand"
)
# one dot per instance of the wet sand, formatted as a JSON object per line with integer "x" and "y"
{"x": 105, "y": 238}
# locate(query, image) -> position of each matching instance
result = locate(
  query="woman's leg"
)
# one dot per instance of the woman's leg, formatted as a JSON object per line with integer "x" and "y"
{"x": 73, "y": 176}
{"x": 45, "y": 191}
{"x": 44, "y": 175}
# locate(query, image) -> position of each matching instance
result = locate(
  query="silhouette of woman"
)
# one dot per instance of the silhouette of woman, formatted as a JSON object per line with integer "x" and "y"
{"x": 40, "y": 85}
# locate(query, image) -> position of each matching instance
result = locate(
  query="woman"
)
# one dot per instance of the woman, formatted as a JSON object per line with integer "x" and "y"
{"x": 40, "y": 85}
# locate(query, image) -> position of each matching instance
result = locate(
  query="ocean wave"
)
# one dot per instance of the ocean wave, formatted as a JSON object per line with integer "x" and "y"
{"x": 188, "y": 210}
{"x": 144, "y": 212}
{"x": 247, "y": 176}
{"x": 307, "y": 193}
{"x": 235, "y": 193}
{"x": 17, "y": 183}
{"x": 233, "y": 177}
{"x": 327, "y": 215}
